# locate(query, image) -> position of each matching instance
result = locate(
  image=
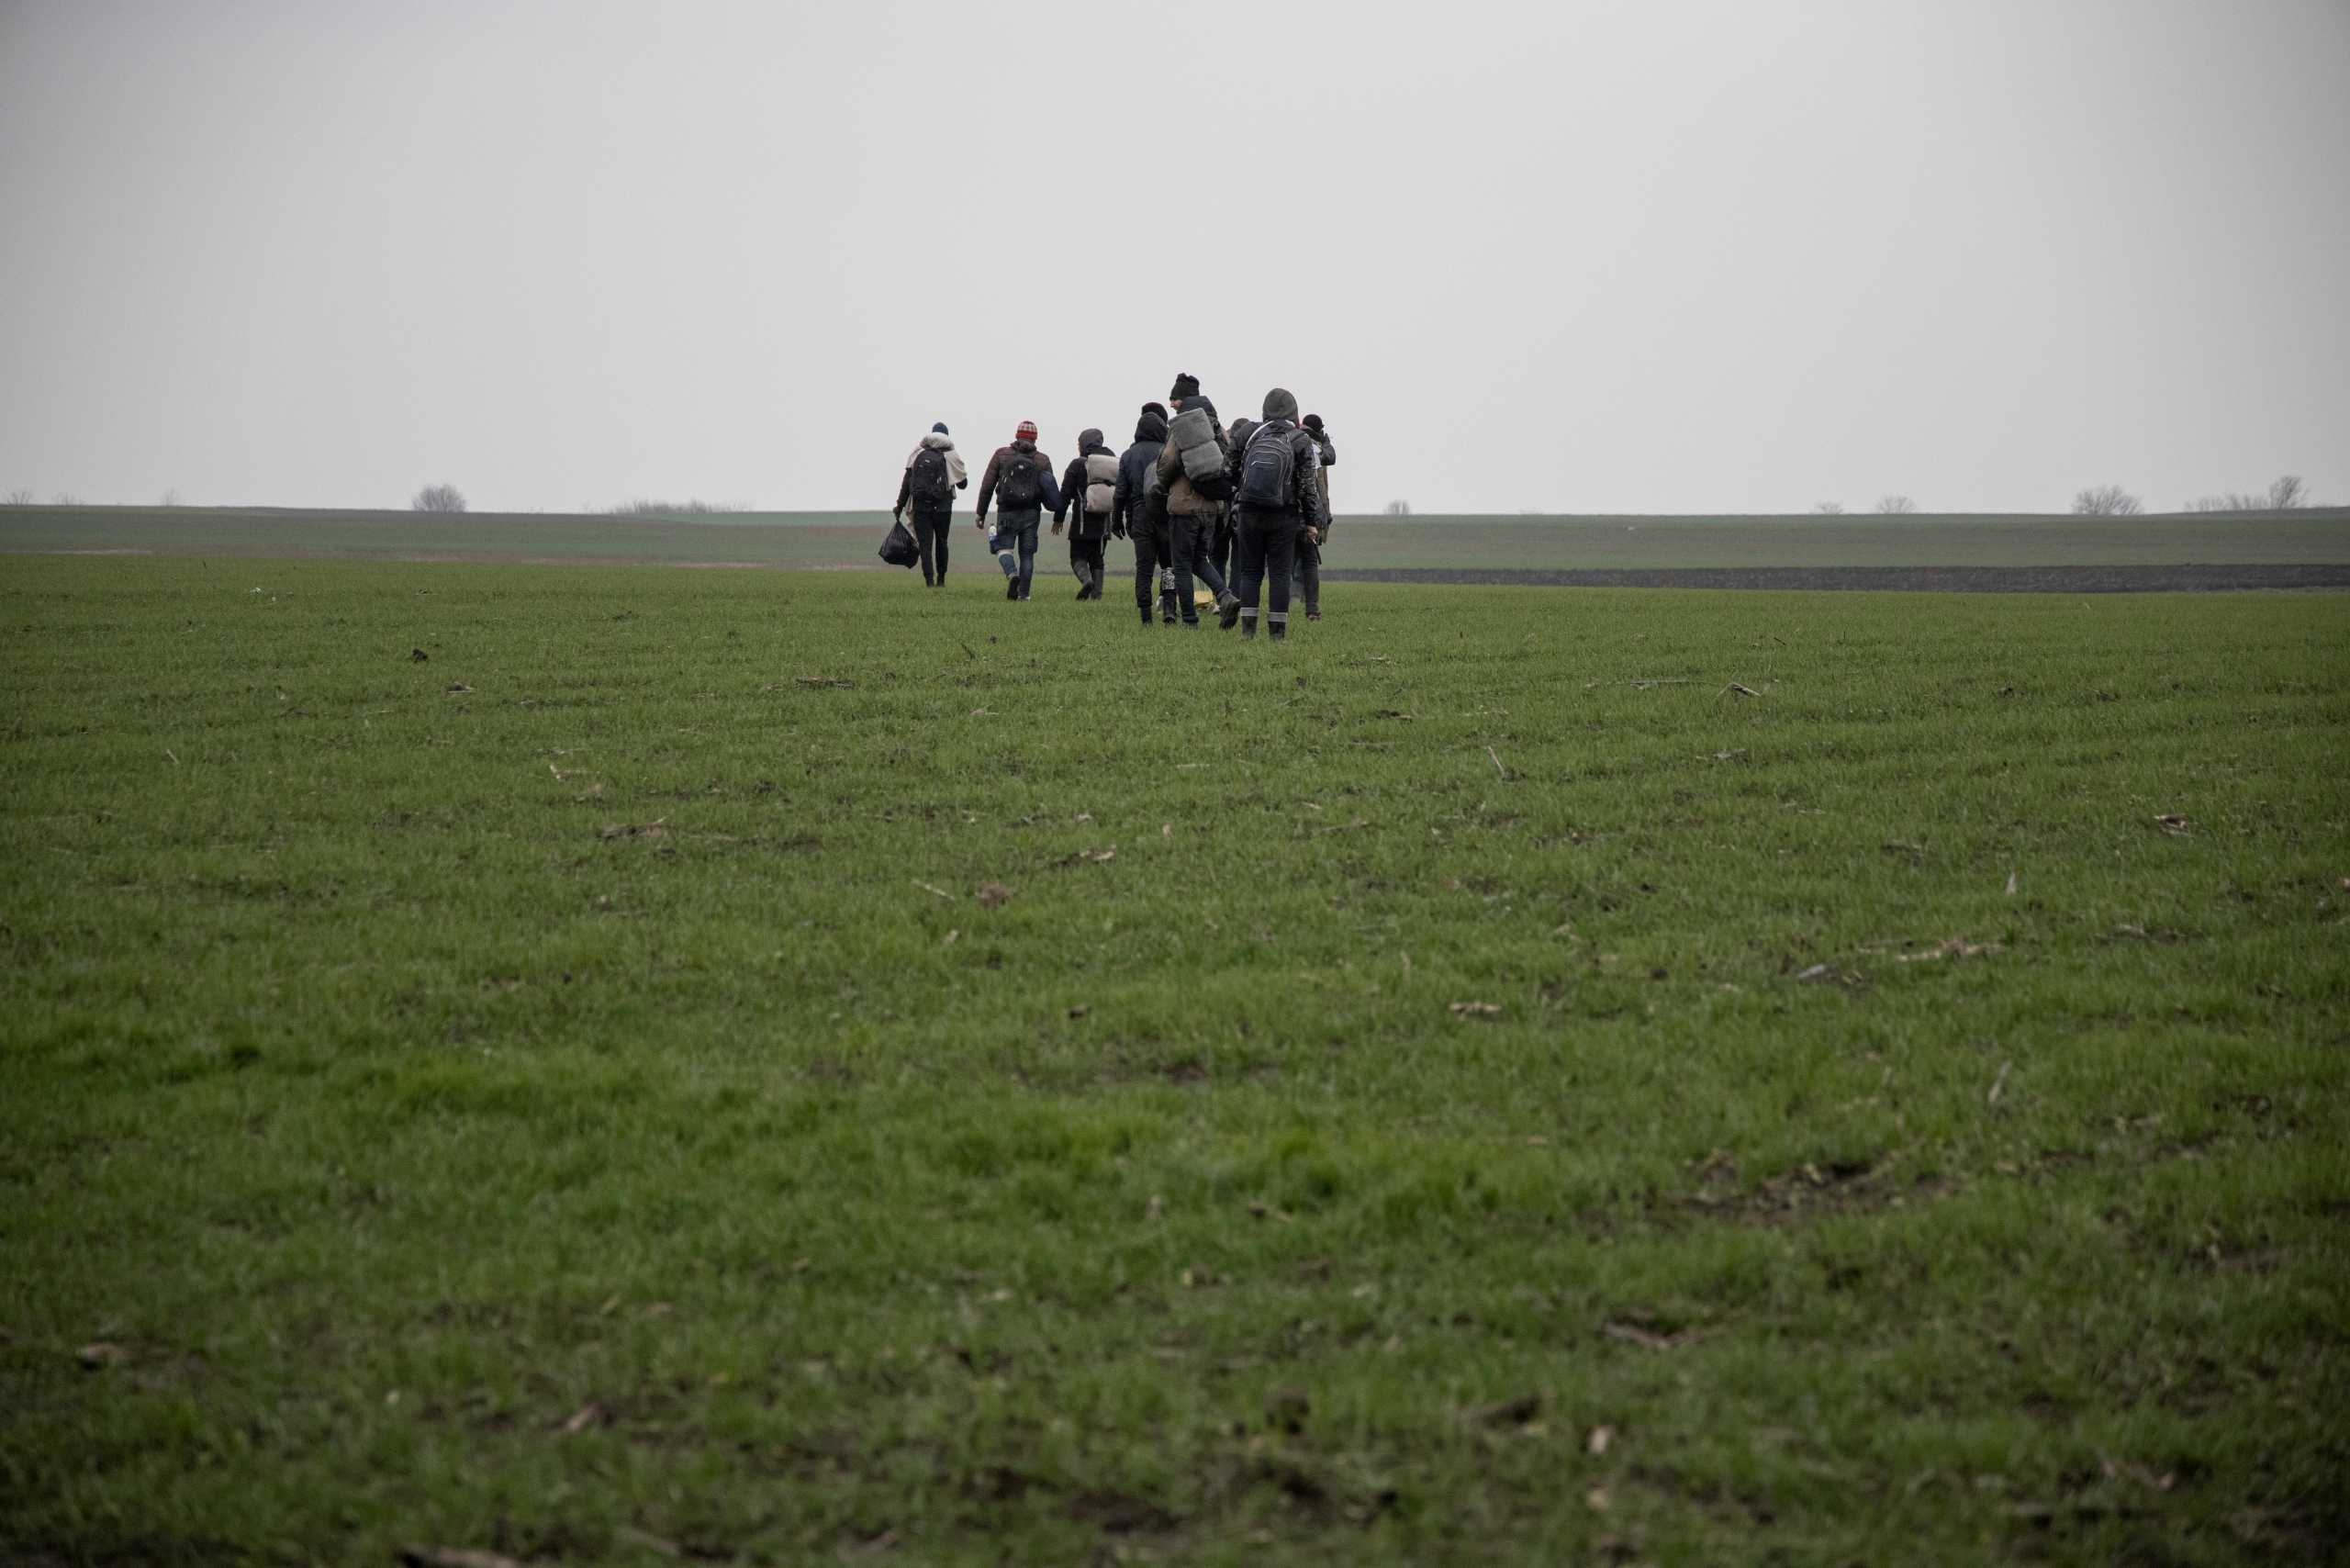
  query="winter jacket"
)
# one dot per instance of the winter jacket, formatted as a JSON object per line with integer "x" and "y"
{"x": 1137, "y": 468}
{"x": 1330, "y": 460}
{"x": 1084, "y": 524}
{"x": 1306, "y": 469}
{"x": 956, "y": 475}
{"x": 1182, "y": 498}
{"x": 1049, "y": 493}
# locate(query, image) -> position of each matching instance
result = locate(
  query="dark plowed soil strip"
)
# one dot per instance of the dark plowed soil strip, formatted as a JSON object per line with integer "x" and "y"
{"x": 1886, "y": 579}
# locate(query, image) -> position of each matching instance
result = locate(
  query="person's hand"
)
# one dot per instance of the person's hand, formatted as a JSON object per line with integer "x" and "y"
{"x": 980, "y": 523}
{"x": 1313, "y": 536}
{"x": 1057, "y": 528}
{"x": 1117, "y": 530}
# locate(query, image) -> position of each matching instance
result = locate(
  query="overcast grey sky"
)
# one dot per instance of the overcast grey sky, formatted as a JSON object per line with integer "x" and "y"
{"x": 1661, "y": 255}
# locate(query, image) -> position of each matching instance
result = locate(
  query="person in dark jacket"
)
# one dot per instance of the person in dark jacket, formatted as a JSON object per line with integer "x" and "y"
{"x": 934, "y": 505}
{"x": 1310, "y": 542}
{"x": 1092, "y": 476}
{"x": 1023, "y": 477}
{"x": 1191, "y": 515}
{"x": 1267, "y": 530}
{"x": 1132, "y": 514}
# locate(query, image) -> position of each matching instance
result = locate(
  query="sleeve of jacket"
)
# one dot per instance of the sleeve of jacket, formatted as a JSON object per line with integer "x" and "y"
{"x": 906, "y": 488}
{"x": 1329, "y": 453}
{"x": 1052, "y": 492}
{"x": 1072, "y": 483}
{"x": 1171, "y": 463}
{"x": 987, "y": 481}
{"x": 1305, "y": 479}
{"x": 1122, "y": 495}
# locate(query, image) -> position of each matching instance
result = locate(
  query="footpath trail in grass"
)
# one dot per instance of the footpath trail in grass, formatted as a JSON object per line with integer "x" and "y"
{"x": 2314, "y": 537}
{"x": 761, "y": 1066}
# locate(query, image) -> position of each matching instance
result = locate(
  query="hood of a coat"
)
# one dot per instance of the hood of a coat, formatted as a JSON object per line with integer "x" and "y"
{"x": 1281, "y": 404}
{"x": 1150, "y": 427}
{"x": 1021, "y": 444}
{"x": 1088, "y": 442}
{"x": 938, "y": 443}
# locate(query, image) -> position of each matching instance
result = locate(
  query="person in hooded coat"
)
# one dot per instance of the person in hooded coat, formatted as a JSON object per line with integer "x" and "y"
{"x": 1088, "y": 490}
{"x": 1270, "y": 525}
{"x": 1133, "y": 512}
{"x": 1192, "y": 516}
{"x": 1025, "y": 478}
{"x": 934, "y": 505}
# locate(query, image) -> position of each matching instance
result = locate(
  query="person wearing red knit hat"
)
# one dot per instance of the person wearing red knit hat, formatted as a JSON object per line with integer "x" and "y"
{"x": 1021, "y": 477}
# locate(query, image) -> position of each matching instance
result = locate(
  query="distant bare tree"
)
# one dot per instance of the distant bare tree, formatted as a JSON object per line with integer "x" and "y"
{"x": 1895, "y": 506}
{"x": 437, "y": 497}
{"x": 171, "y": 497}
{"x": 65, "y": 498}
{"x": 692, "y": 507}
{"x": 1399, "y": 508}
{"x": 17, "y": 499}
{"x": 2288, "y": 494}
{"x": 2106, "y": 500}
{"x": 1829, "y": 509}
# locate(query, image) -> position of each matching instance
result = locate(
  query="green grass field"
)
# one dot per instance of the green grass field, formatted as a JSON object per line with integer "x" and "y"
{"x": 760, "y": 1067}
{"x": 2313, "y": 537}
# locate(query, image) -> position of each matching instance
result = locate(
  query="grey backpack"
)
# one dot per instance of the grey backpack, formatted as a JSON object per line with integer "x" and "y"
{"x": 1268, "y": 467}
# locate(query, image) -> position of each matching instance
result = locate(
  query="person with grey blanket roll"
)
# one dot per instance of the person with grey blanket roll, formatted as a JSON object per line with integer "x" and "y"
{"x": 1088, "y": 491}
{"x": 1194, "y": 473}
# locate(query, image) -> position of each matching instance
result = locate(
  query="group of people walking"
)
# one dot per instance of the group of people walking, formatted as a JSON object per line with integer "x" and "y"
{"x": 1236, "y": 510}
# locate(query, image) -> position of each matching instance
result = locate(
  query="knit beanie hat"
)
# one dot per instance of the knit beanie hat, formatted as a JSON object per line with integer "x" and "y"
{"x": 1186, "y": 385}
{"x": 1281, "y": 405}
{"x": 1027, "y": 431}
{"x": 939, "y": 428}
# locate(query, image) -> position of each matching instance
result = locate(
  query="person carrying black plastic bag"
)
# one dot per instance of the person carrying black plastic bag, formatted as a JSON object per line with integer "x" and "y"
{"x": 1277, "y": 495}
{"x": 933, "y": 473}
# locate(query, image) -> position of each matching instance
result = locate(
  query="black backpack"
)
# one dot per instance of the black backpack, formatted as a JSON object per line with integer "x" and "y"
{"x": 1268, "y": 467}
{"x": 930, "y": 489}
{"x": 1016, "y": 482}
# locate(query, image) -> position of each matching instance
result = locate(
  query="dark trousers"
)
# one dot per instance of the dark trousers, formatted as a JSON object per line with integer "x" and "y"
{"x": 1309, "y": 573}
{"x": 1268, "y": 542}
{"x": 1188, "y": 545}
{"x": 1084, "y": 555}
{"x": 1149, "y": 532}
{"x": 1220, "y": 545}
{"x": 931, "y": 528}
